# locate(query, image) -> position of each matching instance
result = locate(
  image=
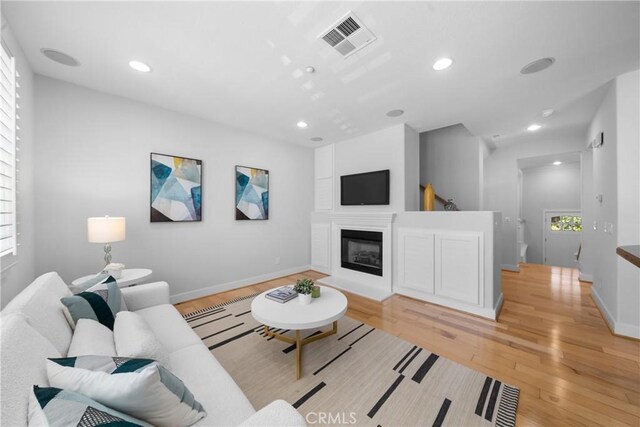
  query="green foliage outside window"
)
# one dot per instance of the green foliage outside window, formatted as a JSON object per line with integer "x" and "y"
{"x": 566, "y": 223}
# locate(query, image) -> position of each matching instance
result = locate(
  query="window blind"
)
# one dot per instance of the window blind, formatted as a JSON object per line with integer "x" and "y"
{"x": 9, "y": 127}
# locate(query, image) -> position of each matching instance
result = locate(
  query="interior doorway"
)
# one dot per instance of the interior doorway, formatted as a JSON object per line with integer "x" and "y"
{"x": 562, "y": 236}
{"x": 549, "y": 203}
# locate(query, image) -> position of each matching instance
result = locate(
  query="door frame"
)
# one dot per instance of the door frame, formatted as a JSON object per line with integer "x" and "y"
{"x": 544, "y": 230}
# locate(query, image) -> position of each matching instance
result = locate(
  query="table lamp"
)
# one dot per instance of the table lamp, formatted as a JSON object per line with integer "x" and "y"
{"x": 106, "y": 230}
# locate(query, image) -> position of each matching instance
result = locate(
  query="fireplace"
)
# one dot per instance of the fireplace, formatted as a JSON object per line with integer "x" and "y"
{"x": 362, "y": 251}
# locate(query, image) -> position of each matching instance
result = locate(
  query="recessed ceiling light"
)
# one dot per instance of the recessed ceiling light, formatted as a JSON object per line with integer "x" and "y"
{"x": 534, "y": 127}
{"x": 548, "y": 112}
{"x": 537, "y": 65}
{"x": 60, "y": 57}
{"x": 442, "y": 64}
{"x": 302, "y": 124}
{"x": 316, "y": 139}
{"x": 139, "y": 66}
{"x": 557, "y": 163}
{"x": 395, "y": 113}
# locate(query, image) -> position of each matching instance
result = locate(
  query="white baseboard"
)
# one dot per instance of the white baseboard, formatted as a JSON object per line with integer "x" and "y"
{"x": 363, "y": 290}
{"x": 585, "y": 278}
{"x": 498, "y": 306}
{"x": 603, "y": 308}
{"x": 618, "y": 328}
{"x": 511, "y": 267}
{"x": 627, "y": 330}
{"x": 198, "y": 293}
{"x": 488, "y": 313}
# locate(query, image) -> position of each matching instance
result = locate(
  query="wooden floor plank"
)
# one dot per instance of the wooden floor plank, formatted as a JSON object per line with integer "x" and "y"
{"x": 550, "y": 340}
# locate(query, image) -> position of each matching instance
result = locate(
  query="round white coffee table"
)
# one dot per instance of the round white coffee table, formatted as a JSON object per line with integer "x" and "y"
{"x": 130, "y": 276}
{"x": 292, "y": 315}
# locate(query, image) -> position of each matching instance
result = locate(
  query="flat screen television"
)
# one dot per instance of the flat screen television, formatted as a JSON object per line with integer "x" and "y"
{"x": 369, "y": 188}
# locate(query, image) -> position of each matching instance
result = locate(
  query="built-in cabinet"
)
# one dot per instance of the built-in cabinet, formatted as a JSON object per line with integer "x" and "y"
{"x": 321, "y": 247}
{"x": 441, "y": 266}
{"x": 416, "y": 260}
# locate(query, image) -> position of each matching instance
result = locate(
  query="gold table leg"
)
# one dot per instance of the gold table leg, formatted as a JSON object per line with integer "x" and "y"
{"x": 300, "y": 342}
{"x": 298, "y": 354}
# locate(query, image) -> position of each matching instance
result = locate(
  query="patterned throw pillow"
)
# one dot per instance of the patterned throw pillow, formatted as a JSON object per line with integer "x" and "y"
{"x": 95, "y": 280}
{"x": 139, "y": 387}
{"x": 49, "y": 406}
{"x": 100, "y": 302}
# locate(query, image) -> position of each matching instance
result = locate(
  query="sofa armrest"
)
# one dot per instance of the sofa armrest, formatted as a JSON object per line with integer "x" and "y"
{"x": 146, "y": 295}
{"x": 277, "y": 413}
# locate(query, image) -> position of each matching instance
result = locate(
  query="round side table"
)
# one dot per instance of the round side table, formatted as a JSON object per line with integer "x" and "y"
{"x": 130, "y": 276}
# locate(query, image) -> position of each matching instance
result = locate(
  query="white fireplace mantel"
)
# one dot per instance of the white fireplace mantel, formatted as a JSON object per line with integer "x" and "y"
{"x": 371, "y": 286}
{"x": 371, "y": 218}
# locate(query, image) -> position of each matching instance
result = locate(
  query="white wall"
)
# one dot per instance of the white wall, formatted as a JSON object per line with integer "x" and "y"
{"x": 547, "y": 187}
{"x": 380, "y": 150}
{"x": 411, "y": 169}
{"x": 93, "y": 159}
{"x": 628, "y": 174}
{"x": 605, "y": 268}
{"x": 450, "y": 160}
{"x": 18, "y": 271}
{"x": 501, "y": 179}
{"x": 587, "y": 202}
{"x": 616, "y": 282}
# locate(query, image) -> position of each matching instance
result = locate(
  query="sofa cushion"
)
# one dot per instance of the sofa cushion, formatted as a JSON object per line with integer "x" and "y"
{"x": 49, "y": 406}
{"x": 40, "y": 303}
{"x": 220, "y": 396}
{"x": 91, "y": 338}
{"x": 170, "y": 328}
{"x": 100, "y": 302}
{"x": 24, "y": 353}
{"x": 134, "y": 338}
{"x": 277, "y": 413}
{"x": 139, "y": 387}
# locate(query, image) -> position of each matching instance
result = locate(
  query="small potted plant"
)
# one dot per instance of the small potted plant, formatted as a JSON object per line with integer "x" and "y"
{"x": 304, "y": 287}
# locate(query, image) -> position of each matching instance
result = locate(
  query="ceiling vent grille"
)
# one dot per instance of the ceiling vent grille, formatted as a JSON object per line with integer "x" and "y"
{"x": 348, "y": 35}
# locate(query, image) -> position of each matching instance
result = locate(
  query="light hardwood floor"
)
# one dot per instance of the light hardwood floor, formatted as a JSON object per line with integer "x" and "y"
{"x": 550, "y": 340}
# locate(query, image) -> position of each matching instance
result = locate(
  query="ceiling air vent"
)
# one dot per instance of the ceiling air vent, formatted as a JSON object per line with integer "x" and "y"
{"x": 348, "y": 35}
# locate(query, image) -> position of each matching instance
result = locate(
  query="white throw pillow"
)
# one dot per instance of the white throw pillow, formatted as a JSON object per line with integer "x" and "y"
{"x": 91, "y": 338}
{"x": 53, "y": 407}
{"x": 138, "y": 387}
{"x": 134, "y": 338}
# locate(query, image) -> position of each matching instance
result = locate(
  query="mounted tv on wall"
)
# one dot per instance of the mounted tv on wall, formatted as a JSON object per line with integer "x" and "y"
{"x": 369, "y": 188}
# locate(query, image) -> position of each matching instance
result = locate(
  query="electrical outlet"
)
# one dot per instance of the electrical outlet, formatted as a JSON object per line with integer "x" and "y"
{"x": 277, "y": 260}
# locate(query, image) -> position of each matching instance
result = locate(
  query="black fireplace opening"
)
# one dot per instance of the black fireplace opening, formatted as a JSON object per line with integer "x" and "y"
{"x": 362, "y": 251}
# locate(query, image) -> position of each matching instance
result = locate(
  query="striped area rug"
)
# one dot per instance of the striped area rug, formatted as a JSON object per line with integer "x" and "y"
{"x": 360, "y": 376}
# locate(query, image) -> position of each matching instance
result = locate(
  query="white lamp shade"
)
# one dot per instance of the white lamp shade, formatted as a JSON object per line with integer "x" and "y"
{"x": 105, "y": 229}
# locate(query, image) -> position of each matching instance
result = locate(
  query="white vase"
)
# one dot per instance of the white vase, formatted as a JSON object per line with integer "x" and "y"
{"x": 304, "y": 299}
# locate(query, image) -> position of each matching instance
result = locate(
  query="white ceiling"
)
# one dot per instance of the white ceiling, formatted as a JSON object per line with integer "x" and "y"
{"x": 547, "y": 160}
{"x": 242, "y": 63}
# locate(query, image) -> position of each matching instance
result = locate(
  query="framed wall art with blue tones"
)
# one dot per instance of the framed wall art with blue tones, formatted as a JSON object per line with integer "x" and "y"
{"x": 176, "y": 189}
{"x": 252, "y": 193}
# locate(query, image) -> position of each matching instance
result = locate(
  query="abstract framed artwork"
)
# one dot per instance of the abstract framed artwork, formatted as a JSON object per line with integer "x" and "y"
{"x": 252, "y": 193}
{"x": 176, "y": 189}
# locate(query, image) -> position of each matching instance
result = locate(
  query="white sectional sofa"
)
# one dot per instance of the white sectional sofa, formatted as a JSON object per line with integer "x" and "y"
{"x": 34, "y": 327}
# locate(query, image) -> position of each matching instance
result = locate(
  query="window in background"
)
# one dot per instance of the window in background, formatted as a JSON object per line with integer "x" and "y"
{"x": 566, "y": 223}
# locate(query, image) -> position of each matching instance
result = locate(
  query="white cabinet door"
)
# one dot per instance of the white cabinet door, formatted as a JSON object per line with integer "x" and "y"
{"x": 321, "y": 247}
{"x": 415, "y": 260}
{"x": 457, "y": 267}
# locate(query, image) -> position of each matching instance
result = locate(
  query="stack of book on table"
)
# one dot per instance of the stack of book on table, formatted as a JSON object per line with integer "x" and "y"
{"x": 282, "y": 295}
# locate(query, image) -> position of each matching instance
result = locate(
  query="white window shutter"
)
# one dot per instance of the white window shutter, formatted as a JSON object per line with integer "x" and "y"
{"x": 8, "y": 161}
